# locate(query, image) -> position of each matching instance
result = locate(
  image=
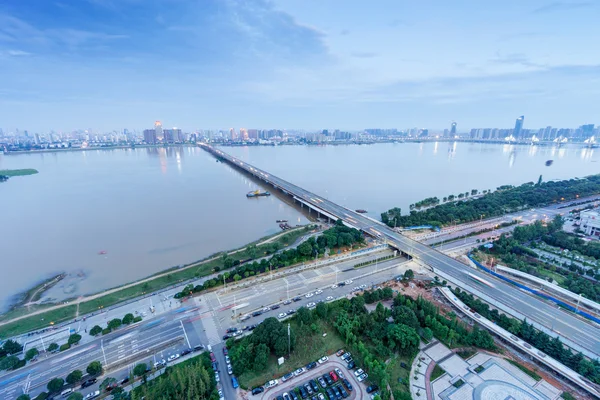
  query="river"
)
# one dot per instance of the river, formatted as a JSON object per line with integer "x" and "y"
{"x": 152, "y": 209}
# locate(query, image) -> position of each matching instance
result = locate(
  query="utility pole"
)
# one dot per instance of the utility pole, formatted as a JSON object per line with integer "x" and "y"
{"x": 289, "y": 341}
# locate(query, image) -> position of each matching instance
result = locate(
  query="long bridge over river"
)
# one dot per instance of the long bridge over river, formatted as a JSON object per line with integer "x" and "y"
{"x": 575, "y": 332}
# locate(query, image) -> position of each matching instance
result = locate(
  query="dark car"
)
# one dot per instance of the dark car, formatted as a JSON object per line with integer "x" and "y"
{"x": 279, "y": 397}
{"x": 227, "y": 336}
{"x": 215, "y": 366}
{"x": 275, "y": 306}
{"x": 303, "y": 392}
{"x": 256, "y": 313}
{"x": 336, "y": 391}
{"x": 351, "y": 365}
{"x": 231, "y": 330}
{"x": 124, "y": 381}
{"x": 342, "y": 284}
{"x": 328, "y": 379}
{"x": 198, "y": 347}
{"x": 186, "y": 352}
{"x": 343, "y": 391}
{"x": 252, "y": 327}
{"x": 372, "y": 388}
{"x": 297, "y": 298}
{"x": 348, "y": 384}
{"x": 258, "y": 390}
{"x": 294, "y": 395}
{"x": 291, "y": 311}
{"x": 330, "y": 394}
{"x": 311, "y": 365}
{"x": 225, "y": 352}
{"x": 89, "y": 382}
{"x": 314, "y": 385}
{"x": 322, "y": 381}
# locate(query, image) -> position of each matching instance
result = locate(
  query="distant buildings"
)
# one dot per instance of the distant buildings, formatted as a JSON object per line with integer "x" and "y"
{"x": 173, "y": 135}
{"x": 590, "y": 222}
{"x": 453, "y": 129}
{"x": 159, "y": 131}
{"x": 150, "y": 136}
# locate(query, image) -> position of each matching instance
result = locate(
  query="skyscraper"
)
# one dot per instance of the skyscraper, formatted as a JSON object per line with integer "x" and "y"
{"x": 150, "y": 136}
{"x": 453, "y": 129}
{"x": 233, "y": 135}
{"x": 158, "y": 130}
{"x": 517, "y": 132}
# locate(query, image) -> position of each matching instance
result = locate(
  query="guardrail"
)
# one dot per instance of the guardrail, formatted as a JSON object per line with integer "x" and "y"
{"x": 536, "y": 292}
{"x": 523, "y": 346}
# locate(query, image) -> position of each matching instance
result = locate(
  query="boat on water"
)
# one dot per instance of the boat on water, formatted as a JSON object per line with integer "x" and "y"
{"x": 361, "y": 211}
{"x": 257, "y": 193}
{"x": 102, "y": 252}
{"x": 281, "y": 220}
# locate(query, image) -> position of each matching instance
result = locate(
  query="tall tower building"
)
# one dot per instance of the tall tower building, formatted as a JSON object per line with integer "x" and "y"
{"x": 159, "y": 130}
{"x": 453, "y": 129}
{"x": 518, "y": 131}
{"x": 244, "y": 134}
{"x": 232, "y": 134}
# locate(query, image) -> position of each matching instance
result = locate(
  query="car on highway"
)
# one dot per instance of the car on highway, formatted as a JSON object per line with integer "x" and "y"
{"x": 186, "y": 352}
{"x": 308, "y": 295}
{"x": 329, "y": 298}
{"x": 173, "y": 357}
{"x": 282, "y": 315}
{"x": 89, "y": 382}
{"x": 323, "y": 359}
{"x": 363, "y": 377}
{"x": 297, "y": 298}
{"x": 92, "y": 395}
{"x": 258, "y": 390}
{"x": 319, "y": 291}
{"x": 311, "y": 305}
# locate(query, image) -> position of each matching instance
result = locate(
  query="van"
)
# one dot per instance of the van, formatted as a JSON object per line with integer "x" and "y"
{"x": 66, "y": 392}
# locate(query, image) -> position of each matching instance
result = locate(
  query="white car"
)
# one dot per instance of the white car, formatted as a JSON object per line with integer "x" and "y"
{"x": 173, "y": 357}
{"x": 363, "y": 286}
{"x": 334, "y": 286}
{"x": 227, "y": 360}
{"x": 282, "y": 315}
{"x": 362, "y": 377}
{"x": 339, "y": 373}
{"x": 221, "y": 397}
{"x": 359, "y": 372}
{"x": 92, "y": 395}
{"x": 311, "y": 305}
{"x": 229, "y": 370}
{"x": 217, "y": 377}
{"x": 348, "y": 282}
{"x": 323, "y": 359}
{"x": 319, "y": 291}
{"x": 346, "y": 355}
{"x": 271, "y": 384}
{"x": 299, "y": 371}
{"x": 329, "y": 298}
{"x": 308, "y": 295}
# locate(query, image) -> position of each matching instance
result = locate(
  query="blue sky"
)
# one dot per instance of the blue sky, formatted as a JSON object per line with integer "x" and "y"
{"x": 348, "y": 64}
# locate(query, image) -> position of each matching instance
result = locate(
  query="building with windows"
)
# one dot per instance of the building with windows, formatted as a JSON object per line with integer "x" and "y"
{"x": 518, "y": 131}
{"x": 590, "y": 222}
{"x": 150, "y": 136}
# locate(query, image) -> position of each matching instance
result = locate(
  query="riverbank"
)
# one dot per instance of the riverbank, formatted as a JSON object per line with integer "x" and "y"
{"x": 21, "y": 320}
{"x": 9, "y": 173}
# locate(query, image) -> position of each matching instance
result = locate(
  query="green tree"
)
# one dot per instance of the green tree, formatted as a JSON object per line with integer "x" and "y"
{"x": 261, "y": 357}
{"x": 128, "y": 319}
{"x": 114, "y": 323}
{"x": 322, "y": 310}
{"x": 74, "y": 339}
{"x": 75, "y": 396}
{"x": 304, "y": 316}
{"x": 12, "y": 347}
{"x": 52, "y": 347}
{"x": 9, "y": 362}
{"x": 96, "y": 330}
{"x": 409, "y": 274}
{"x": 427, "y": 334}
{"x": 24, "y": 397}
{"x": 31, "y": 353}
{"x": 404, "y": 339}
{"x": 74, "y": 377}
{"x": 41, "y": 396}
{"x": 108, "y": 382}
{"x": 140, "y": 369}
{"x": 55, "y": 385}
{"x": 94, "y": 368}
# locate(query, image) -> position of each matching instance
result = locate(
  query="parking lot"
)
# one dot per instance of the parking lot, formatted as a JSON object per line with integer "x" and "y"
{"x": 292, "y": 384}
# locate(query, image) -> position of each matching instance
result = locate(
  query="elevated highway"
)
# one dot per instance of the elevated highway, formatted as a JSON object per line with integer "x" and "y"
{"x": 573, "y": 331}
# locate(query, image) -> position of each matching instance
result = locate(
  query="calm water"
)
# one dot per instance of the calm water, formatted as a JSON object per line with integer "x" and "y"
{"x": 151, "y": 209}
{"x": 379, "y": 177}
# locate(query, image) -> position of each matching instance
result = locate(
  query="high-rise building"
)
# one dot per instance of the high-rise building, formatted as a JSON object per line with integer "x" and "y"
{"x": 36, "y": 138}
{"x": 453, "y": 129}
{"x": 150, "y": 136}
{"x": 517, "y": 132}
{"x": 173, "y": 135}
{"x": 159, "y": 131}
{"x": 243, "y": 134}
{"x": 252, "y": 134}
{"x": 232, "y": 134}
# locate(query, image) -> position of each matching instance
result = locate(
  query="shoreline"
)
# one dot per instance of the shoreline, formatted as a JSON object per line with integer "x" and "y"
{"x": 133, "y": 290}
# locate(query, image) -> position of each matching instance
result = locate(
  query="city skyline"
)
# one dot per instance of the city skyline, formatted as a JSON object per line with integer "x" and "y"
{"x": 110, "y": 64}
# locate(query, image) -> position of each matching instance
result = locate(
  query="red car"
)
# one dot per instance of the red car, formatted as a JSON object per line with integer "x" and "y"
{"x": 225, "y": 352}
{"x": 212, "y": 357}
{"x": 333, "y": 376}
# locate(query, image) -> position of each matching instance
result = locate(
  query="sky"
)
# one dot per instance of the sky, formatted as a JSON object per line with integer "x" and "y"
{"x": 297, "y": 64}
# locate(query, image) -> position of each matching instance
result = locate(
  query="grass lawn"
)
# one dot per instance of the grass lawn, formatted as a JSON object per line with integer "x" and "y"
{"x": 525, "y": 369}
{"x": 549, "y": 274}
{"x": 465, "y": 354}
{"x": 437, "y": 372}
{"x": 308, "y": 348}
{"x": 195, "y": 270}
{"x": 399, "y": 377}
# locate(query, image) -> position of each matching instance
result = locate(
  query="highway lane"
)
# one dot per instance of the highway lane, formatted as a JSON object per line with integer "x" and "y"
{"x": 579, "y": 334}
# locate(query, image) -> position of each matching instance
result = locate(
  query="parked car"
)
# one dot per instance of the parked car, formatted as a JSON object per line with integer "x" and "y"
{"x": 323, "y": 359}
{"x": 311, "y": 365}
{"x": 225, "y": 351}
{"x": 231, "y": 330}
{"x": 124, "y": 381}
{"x": 287, "y": 302}
{"x": 294, "y": 395}
{"x": 348, "y": 384}
{"x": 314, "y": 385}
{"x": 359, "y": 372}
{"x": 372, "y": 388}
{"x": 351, "y": 365}
{"x": 217, "y": 377}
{"x": 173, "y": 357}
{"x": 328, "y": 379}
{"x": 308, "y": 388}
{"x": 345, "y": 355}
{"x": 186, "y": 352}
{"x": 303, "y": 392}
{"x": 271, "y": 383}
{"x": 229, "y": 370}
{"x": 299, "y": 371}
{"x": 92, "y": 395}
{"x": 275, "y": 306}
{"x": 291, "y": 311}
{"x": 363, "y": 377}
{"x": 198, "y": 347}
{"x": 333, "y": 376}
{"x": 339, "y": 372}
{"x": 329, "y": 298}
{"x": 343, "y": 392}
{"x": 322, "y": 382}
{"x": 282, "y": 315}
{"x": 286, "y": 396}
{"x": 245, "y": 318}
{"x": 212, "y": 357}
{"x": 89, "y": 382}
{"x": 320, "y": 396}
{"x": 287, "y": 377}
{"x": 297, "y": 298}
{"x": 234, "y": 382}
{"x": 227, "y": 360}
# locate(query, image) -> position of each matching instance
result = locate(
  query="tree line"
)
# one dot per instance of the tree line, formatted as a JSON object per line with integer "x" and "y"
{"x": 504, "y": 200}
